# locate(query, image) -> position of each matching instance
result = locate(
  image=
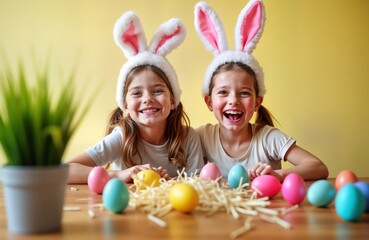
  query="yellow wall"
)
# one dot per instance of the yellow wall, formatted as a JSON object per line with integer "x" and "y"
{"x": 315, "y": 55}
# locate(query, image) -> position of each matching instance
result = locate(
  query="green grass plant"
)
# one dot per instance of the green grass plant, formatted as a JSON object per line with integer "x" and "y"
{"x": 37, "y": 121}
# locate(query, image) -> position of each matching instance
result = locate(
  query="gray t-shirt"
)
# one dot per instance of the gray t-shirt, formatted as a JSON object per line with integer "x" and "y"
{"x": 109, "y": 150}
{"x": 269, "y": 145}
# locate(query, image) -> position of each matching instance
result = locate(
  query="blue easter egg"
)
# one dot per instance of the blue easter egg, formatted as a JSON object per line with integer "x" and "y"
{"x": 235, "y": 174}
{"x": 350, "y": 203}
{"x": 364, "y": 188}
{"x": 321, "y": 193}
{"x": 115, "y": 195}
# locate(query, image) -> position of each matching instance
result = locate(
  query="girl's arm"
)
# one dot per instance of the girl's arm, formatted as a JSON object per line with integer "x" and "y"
{"x": 306, "y": 164}
{"x": 79, "y": 168}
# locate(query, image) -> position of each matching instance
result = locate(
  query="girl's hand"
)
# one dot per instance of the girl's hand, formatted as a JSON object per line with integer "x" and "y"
{"x": 162, "y": 172}
{"x": 126, "y": 175}
{"x": 261, "y": 169}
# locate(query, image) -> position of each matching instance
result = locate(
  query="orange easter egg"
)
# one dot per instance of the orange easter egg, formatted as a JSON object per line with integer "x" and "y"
{"x": 344, "y": 177}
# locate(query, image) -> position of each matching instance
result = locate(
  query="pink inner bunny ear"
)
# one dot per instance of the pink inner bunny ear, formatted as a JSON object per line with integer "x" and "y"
{"x": 251, "y": 23}
{"x": 207, "y": 29}
{"x": 165, "y": 38}
{"x": 129, "y": 37}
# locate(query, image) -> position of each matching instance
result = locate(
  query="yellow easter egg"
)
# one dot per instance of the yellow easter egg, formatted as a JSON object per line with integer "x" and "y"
{"x": 183, "y": 197}
{"x": 147, "y": 178}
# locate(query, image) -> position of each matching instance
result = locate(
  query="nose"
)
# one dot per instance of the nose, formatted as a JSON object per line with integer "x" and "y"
{"x": 148, "y": 98}
{"x": 232, "y": 99}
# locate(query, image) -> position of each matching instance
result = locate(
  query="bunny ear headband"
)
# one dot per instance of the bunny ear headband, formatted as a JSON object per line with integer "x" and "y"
{"x": 248, "y": 31}
{"x": 130, "y": 37}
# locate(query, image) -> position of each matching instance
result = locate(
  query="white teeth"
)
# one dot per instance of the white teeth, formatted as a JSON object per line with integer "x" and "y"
{"x": 149, "y": 110}
{"x": 233, "y": 112}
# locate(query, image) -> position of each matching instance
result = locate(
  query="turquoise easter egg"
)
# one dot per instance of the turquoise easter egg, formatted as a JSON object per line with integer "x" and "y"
{"x": 237, "y": 175}
{"x": 321, "y": 193}
{"x": 350, "y": 203}
{"x": 115, "y": 195}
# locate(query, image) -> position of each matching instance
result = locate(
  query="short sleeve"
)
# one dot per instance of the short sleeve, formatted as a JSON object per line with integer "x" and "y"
{"x": 107, "y": 150}
{"x": 277, "y": 142}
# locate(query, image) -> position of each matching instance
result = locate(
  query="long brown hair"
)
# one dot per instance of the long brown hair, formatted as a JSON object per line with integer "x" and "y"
{"x": 176, "y": 130}
{"x": 263, "y": 116}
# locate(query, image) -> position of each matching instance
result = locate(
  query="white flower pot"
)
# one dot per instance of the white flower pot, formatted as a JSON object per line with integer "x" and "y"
{"x": 34, "y": 197}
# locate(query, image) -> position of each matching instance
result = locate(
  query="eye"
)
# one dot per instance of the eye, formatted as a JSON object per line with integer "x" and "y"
{"x": 158, "y": 91}
{"x": 222, "y": 93}
{"x": 136, "y": 94}
{"x": 245, "y": 94}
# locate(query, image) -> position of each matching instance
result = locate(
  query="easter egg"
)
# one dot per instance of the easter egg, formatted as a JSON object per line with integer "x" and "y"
{"x": 237, "y": 176}
{"x": 344, "y": 177}
{"x": 350, "y": 203}
{"x": 115, "y": 195}
{"x": 183, "y": 197}
{"x": 97, "y": 179}
{"x": 321, "y": 193}
{"x": 210, "y": 172}
{"x": 293, "y": 188}
{"x": 147, "y": 178}
{"x": 364, "y": 188}
{"x": 266, "y": 185}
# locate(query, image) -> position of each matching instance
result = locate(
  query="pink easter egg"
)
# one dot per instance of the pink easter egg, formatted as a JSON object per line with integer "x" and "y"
{"x": 97, "y": 179}
{"x": 210, "y": 172}
{"x": 293, "y": 188}
{"x": 266, "y": 185}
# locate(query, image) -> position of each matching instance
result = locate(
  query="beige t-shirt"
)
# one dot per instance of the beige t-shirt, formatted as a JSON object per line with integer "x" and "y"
{"x": 269, "y": 145}
{"x": 109, "y": 150}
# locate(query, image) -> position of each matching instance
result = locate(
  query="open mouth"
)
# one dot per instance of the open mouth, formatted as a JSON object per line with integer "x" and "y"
{"x": 233, "y": 115}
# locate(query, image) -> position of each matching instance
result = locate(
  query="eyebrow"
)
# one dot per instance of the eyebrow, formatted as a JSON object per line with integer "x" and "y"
{"x": 227, "y": 87}
{"x": 221, "y": 87}
{"x": 151, "y": 86}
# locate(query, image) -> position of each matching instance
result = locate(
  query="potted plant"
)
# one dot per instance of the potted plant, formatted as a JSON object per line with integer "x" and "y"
{"x": 35, "y": 126}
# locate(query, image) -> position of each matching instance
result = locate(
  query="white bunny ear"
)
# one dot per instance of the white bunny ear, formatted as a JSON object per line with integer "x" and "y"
{"x": 168, "y": 36}
{"x": 129, "y": 35}
{"x": 249, "y": 27}
{"x": 210, "y": 29}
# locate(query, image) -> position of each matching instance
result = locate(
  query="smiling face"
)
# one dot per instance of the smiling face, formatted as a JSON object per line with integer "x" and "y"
{"x": 148, "y": 99}
{"x": 233, "y": 98}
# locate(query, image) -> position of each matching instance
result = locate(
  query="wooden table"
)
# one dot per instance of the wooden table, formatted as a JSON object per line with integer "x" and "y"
{"x": 308, "y": 222}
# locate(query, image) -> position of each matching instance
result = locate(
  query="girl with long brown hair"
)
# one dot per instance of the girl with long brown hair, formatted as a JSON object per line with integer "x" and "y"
{"x": 149, "y": 129}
